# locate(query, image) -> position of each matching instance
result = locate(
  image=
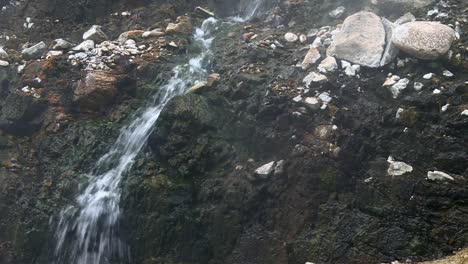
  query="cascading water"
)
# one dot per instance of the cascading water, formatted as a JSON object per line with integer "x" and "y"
{"x": 87, "y": 231}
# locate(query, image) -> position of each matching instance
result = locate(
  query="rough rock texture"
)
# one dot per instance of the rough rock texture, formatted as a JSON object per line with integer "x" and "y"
{"x": 399, "y": 6}
{"x": 424, "y": 40}
{"x": 361, "y": 40}
{"x": 96, "y": 91}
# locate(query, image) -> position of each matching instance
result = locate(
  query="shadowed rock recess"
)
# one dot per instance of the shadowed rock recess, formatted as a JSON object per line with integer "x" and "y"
{"x": 279, "y": 132}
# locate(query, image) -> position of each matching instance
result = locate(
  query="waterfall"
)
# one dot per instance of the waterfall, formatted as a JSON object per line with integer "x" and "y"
{"x": 87, "y": 230}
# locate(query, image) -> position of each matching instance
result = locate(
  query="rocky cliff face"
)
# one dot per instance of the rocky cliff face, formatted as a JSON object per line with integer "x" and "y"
{"x": 299, "y": 153}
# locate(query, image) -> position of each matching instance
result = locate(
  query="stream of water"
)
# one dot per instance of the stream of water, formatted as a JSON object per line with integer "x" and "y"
{"x": 87, "y": 231}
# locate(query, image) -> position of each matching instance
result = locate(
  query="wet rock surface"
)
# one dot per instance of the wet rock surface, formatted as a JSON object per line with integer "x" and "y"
{"x": 275, "y": 159}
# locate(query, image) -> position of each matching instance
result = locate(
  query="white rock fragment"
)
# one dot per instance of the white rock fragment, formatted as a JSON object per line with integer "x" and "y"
{"x": 3, "y": 54}
{"x": 61, "y": 44}
{"x": 464, "y": 113}
{"x": 297, "y": 99}
{"x": 85, "y": 46}
{"x": 398, "y": 113}
{"x": 397, "y": 168}
{"x": 448, "y": 74}
{"x": 444, "y": 108}
{"x": 314, "y": 77}
{"x": 391, "y": 81}
{"x": 338, "y": 12}
{"x": 96, "y": 34}
{"x": 418, "y": 86}
{"x": 302, "y": 38}
{"x": 328, "y": 65}
{"x": 266, "y": 169}
{"x": 398, "y": 87}
{"x": 291, "y": 37}
{"x": 325, "y": 97}
{"x": 428, "y": 76}
{"x": 436, "y": 91}
{"x": 317, "y": 43}
{"x": 312, "y": 56}
{"x": 4, "y": 63}
{"x": 438, "y": 176}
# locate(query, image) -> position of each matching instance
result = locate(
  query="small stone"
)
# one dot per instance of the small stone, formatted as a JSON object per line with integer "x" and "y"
{"x": 95, "y": 34}
{"x": 85, "y": 46}
{"x": 303, "y": 38}
{"x": 312, "y": 102}
{"x": 266, "y": 169}
{"x": 448, "y": 74}
{"x": 297, "y": 99}
{"x": 3, "y": 54}
{"x": 418, "y": 86}
{"x": 325, "y": 97}
{"x": 4, "y": 63}
{"x": 464, "y": 113}
{"x": 328, "y": 65}
{"x": 291, "y": 37}
{"x": 398, "y": 87}
{"x": 312, "y": 56}
{"x": 61, "y": 44}
{"x": 315, "y": 77}
{"x": 338, "y": 12}
{"x": 444, "y": 108}
{"x": 428, "y": 76}
{"x": 35, "y": 51}
{"x": 436, "y": 91}
{"x": 153, "y": 33}
{"x": 438, "y": 176}
{"x": 391, "y": 80}
{"x": 397, "y": 168}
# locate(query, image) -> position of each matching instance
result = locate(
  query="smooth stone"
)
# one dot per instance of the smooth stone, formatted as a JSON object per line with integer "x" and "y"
{"x": 424, "y": 40}
{"x": 291, "y": 37}
{"x": 35, "y": 52}
{"x": 4, "y": 63}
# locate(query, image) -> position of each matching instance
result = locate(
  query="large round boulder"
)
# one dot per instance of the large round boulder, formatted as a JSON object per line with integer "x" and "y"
{"x": 361, "y": 40}
{"x": 424, "y": 40}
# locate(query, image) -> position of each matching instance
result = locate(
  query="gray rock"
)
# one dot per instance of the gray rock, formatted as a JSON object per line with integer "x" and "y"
{"x": 361, "y": 40}
{"x": 61, "y": 44}
{"x": 312, "y": 56}
{"x": 3, "y": 54}
{"x": 338, "y": 12}
{"x": 424, "y": 40}
{"x": 397, "y": 168}
{"x": 438, "y": 176}
{"x": 96, "y": 34}
{"x": 35, "y": 52}
{"x": 328, "y": 65}
{"x": 85, "y": 46}
{"x": 314, "y": 77}
{"x": 391, "y": 51}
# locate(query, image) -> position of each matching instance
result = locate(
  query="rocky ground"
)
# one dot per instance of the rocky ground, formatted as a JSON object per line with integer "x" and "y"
{"x": 332, "y": 136}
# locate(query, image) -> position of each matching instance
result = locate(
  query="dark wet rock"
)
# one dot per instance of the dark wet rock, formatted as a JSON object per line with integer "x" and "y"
{"x": 21, "y": 114}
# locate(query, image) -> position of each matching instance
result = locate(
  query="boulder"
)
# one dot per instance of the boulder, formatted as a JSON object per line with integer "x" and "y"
{"x": 95, "y": 34}
{"x": 361, "y": 40}
{"x": 183, "y": 26}
{"x": 424, "y": 40}
{"x": 97, "y": 90}
{"x": 35, "y": 52}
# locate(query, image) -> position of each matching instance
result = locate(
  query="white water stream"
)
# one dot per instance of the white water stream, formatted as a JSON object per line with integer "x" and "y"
{"x": 87, "y": 230}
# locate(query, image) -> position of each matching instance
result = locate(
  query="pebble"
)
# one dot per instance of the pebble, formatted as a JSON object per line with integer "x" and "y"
{"x": 465, "y": 112}
{"x": 391, "y": 80}
{"x": 418, "y": 86}
{"x": 315, "y": 77}
{"x": 438, "y": 176}
{"x": 3, "y": 54}
{"x": 291, "y": 37}
{"x": 303, "y": 38}
{"x": 4, "y": 63}
{"x": 398, "y": 87}
{"x": 328, "y": 65}
{"x": 436, "y": 91}
{"x": 266, "y": 169}
{"x": 428, "y": 76}
{"x": 397, "y": 168}
{"x": 444, "y": 108}
{"x": 448, "y": 74}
